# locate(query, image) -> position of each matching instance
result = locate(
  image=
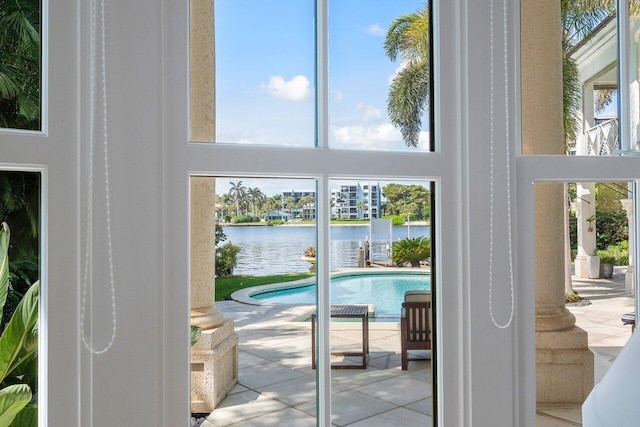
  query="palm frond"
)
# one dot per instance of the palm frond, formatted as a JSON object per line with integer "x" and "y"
{"x": 408, "y": 36}
{"x": 603, "y": 98}
{"x": 408, "y": 99}
{"x": 571, "y": 101}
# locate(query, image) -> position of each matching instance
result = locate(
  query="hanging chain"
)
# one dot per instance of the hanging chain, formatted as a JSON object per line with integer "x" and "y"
{"x": 88, "y": 252}
{"x": 491, "y": 166}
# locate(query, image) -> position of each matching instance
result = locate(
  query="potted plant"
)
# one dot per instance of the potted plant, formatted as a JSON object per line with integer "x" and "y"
{"x": 310, "y": 256}
{"x": 591, "y": 220}
{"x": 607, "y": 260}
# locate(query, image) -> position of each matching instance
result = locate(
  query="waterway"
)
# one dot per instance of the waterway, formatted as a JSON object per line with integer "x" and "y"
{"x": 279, "y": 249}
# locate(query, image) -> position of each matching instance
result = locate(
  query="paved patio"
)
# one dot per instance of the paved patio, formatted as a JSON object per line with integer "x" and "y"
{"x": 277, "y": 385}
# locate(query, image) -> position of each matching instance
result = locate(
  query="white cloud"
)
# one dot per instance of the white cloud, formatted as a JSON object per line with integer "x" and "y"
{"x": 337, "y": 95}
{"x": 375, "y": 30}
{"x": 369, "y": 112}
{"x": 383, "y": 136}
{"x": 296, "y": 89}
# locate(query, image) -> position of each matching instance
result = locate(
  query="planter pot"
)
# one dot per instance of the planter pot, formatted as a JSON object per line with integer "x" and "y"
{"x": 606, "y": 270}
{"x": 593, "y": 266}
{"x": 311, "y": 260}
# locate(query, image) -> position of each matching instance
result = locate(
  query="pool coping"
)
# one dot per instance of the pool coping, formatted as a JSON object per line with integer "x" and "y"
{"x": 244, "y": 295}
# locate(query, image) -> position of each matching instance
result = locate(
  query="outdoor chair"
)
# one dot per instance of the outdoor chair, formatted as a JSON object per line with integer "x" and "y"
{"x": 415, "y": 324}
{"x": 629, "y": 319}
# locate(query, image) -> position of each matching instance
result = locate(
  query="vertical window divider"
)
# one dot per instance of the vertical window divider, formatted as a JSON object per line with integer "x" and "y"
{"x": 322, "y": 214}
{"x": 624, "y": 107}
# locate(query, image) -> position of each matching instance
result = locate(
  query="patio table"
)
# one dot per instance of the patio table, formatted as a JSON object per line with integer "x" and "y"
{"x": 345, "y": 311}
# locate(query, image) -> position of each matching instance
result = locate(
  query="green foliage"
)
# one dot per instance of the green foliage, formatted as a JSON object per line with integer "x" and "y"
{"x": 406, "y": 200}
{"x": 20, "y": 207}
{"x": 395, "y": 219}
{"x": 611, "y": 228}
{"x": 608, "y": 195}
{"x": 275, "y": 222}
{"x": 225, "y": 286}
{"x": 411, "y": 250}
{"x": 226, "y": 259}
{"x": 571, "y": 99}
{"x": 20, "y": 64}
{"x": 196, "y": 331}
{"x": 220, "y": 236}
{"x": 407, "y": 39}
{"x": 244, "y": 219}
{"x": 18, "y": 345}
{"x": 13, "y": 400}
{"x": 615, "y": 254}
{"x": 571, "y": 297}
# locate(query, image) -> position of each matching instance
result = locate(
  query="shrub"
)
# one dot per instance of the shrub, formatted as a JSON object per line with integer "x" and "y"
{"x": 226, "y": 259}
{"x": 615, "y": 254}
{"x": 611, "y": 228}
{"x": 275, "y": 222}
{"x": 19, "y": 343}
{"x": 571, "y": 297}
{"x": 395, "y": 219}
{"x": 411, "y": 250}
{"x": 310, "y": 252}
{"x": 243, "y": 219}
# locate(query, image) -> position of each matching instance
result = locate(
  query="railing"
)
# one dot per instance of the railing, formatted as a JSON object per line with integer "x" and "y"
{"x": 601, "y": 140}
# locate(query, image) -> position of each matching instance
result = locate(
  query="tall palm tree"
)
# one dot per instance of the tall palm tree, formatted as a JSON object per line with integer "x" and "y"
{"x": 20, "y": 64}
{"x": 408, "y": 39}
{"x": 362, "y": 206}
{"x": 306, "y": 203}
{"x": 237, "y": 192}
{"x": 255, "y": 197}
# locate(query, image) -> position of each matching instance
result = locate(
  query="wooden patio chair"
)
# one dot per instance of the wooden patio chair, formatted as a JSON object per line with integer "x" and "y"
{"x": 415, "y": 323}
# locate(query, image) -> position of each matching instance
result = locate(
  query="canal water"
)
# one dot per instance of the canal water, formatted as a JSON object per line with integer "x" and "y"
{"x": 279, "y": 249}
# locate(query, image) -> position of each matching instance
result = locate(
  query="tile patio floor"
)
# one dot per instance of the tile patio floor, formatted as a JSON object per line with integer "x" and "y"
{"x": 277, "y": 385}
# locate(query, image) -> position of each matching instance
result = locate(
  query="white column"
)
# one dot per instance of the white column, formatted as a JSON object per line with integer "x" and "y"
{"x": 627, "y": 205}
{"x": 586, "y": 263}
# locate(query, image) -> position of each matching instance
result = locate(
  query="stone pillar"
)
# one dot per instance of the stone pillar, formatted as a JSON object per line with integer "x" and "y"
{"x": 627, "y": 205}
{"x": 214, "y": 358}
{"x": 586, "y": 263}
{"x": 564, "y": 363}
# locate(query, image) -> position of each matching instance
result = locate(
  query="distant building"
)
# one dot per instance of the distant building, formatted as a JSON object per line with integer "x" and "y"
{"x": 356, "y": 201}
{"x": 276, "y": 216}
{"x": 305, "y": 212}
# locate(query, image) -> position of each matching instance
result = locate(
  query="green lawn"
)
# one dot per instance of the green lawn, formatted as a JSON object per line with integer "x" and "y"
{"x": 225, "y": 286}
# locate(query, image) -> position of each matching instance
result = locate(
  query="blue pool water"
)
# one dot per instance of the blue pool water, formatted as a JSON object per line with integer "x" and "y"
{"x": 385, "y": 291}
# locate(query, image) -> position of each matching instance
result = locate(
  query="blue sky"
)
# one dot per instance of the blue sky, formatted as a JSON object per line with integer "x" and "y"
{"x": 265, "y": 68}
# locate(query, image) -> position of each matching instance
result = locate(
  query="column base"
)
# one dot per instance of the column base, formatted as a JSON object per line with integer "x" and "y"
{"x": 214, "y": 367}
{"x": 587, "y": 266}
{"x": 629, "y": 280}
{"x": 564, "y": 368}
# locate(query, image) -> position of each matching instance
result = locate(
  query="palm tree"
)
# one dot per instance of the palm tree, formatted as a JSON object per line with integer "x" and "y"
{"x": 20, "y": 64}
{"x": 306, "y": 202}
{"x": 408, "y": 39}
{"x": 237, "y": 192}
{"x": 362, "y": 206}
{"x": 290, "y": 203}
{"x": 256, "y": 197}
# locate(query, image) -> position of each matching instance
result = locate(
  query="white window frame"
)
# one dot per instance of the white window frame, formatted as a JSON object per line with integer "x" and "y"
{"x": 198, "y": 159}
{"x": 137, "y": 383}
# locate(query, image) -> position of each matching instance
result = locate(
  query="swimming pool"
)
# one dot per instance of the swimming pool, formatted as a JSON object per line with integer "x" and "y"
{"x": 384, "y": 290}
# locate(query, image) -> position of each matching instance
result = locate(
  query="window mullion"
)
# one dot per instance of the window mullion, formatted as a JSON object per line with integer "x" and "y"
{"x": 322, "y": 215}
